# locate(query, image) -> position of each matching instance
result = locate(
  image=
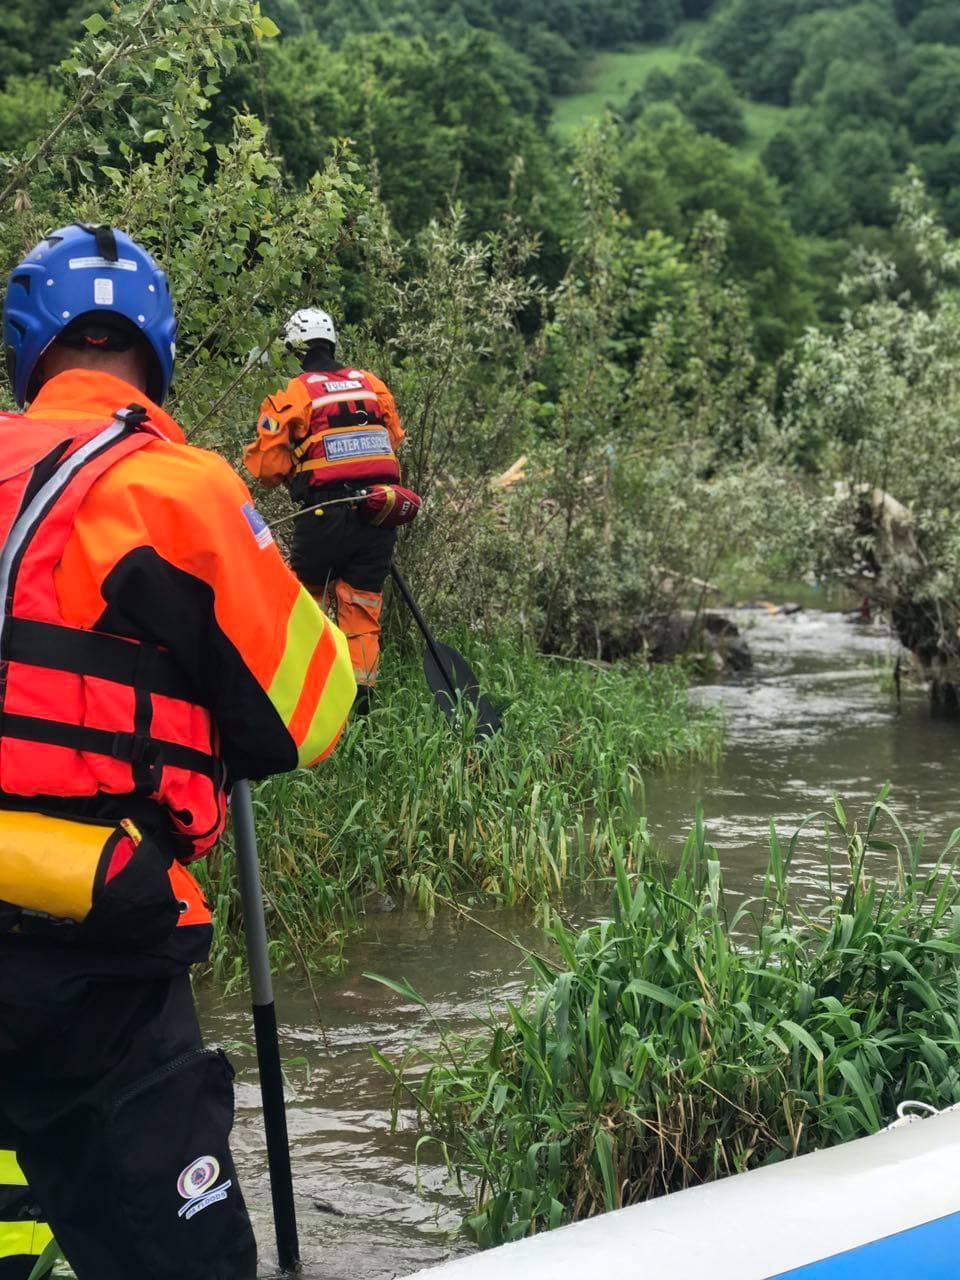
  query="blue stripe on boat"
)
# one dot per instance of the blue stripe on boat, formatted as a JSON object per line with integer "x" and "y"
{"x": 931, "y": 1251}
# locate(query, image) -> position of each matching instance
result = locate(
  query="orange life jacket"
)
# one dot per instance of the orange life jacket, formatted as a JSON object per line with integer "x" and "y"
{"x": 347, "y": 440}
{"x": 86, "y": 716}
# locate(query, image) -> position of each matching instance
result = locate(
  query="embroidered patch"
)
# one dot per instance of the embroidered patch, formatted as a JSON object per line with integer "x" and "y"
{"x": 257, "y": 525}
{"x": 198, "y": 1176}
{"x": 195, "y": 1185}
{"x": 356, "y": 444}
{"x": 345, "y": 384}
{"x": 199, "y": 1203}
{"x": 270, "y": 426}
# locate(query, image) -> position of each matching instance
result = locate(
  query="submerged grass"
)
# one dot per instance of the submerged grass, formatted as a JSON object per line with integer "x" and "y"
{"x": 409, "y": 806}
{"x": 673, "y": 1044}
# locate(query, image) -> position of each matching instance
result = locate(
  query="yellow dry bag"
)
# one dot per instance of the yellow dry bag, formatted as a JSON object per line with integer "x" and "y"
{"x": 110, "y": 879}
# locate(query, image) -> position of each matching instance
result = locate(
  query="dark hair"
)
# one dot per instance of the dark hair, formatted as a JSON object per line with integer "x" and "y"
{"x": 107, "y": 331}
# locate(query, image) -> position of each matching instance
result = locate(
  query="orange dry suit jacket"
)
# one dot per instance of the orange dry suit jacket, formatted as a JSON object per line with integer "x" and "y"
{"x": 300, "y": 426}
{"x": 235, "y": 671}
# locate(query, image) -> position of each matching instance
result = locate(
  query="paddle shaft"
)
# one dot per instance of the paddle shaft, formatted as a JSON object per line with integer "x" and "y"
{"x": 320, "y": 508}
{"x": 265, "y": 1030}
{"x": 422, "y": 624}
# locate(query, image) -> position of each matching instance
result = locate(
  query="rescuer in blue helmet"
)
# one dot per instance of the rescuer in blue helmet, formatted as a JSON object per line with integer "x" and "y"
{"x": 153, "y": 646}
{"x": 93, "y": 291}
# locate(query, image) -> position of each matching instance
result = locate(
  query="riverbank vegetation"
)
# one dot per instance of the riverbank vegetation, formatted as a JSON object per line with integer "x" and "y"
{"x": 409, "y": 808}
{"x": 684, "y": 1037}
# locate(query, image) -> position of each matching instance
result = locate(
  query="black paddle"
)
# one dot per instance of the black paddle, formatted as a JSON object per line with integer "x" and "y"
{"x": 449, "y": 675}
{"x": 265, "y": 1031}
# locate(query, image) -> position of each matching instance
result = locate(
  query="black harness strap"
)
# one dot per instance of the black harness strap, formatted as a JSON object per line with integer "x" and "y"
{"x": 146, "y": 766}
{"x": 357, "y": 416}
{"x": 131, "y": 748}
{"x": 94, "y": 653}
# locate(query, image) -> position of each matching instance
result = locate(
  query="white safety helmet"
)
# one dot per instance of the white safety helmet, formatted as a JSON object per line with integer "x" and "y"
{"x": 309, "y": 325}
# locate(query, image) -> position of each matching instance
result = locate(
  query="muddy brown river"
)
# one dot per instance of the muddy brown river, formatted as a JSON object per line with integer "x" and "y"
{"x": 812, "y": 719}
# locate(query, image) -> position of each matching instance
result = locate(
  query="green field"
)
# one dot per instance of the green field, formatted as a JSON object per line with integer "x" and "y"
{"x": 611, "y": 78}
{"x": 763, "y": 120}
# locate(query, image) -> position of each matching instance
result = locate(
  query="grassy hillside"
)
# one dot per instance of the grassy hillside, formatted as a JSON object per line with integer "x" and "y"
{"x": 611, "y": 78}
{"x": 763, "y": 120}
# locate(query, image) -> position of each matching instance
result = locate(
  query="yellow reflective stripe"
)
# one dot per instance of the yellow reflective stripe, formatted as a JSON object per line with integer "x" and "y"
{"x": 304, "y": 628}
{"x": 11, "y": 1175}
{"x": 302, "y": 448}
{"x": 23, "y": 1238}
{"x": 334, "y": 706}
{"x": 390, "y": 501}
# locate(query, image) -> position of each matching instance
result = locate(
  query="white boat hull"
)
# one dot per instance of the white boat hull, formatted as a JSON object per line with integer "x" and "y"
{"x": 885, "y": 1207}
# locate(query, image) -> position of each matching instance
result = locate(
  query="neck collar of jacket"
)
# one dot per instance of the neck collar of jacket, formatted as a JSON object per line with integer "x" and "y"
{"x": 82, "y": 393}
{"x": 318, "y": 360}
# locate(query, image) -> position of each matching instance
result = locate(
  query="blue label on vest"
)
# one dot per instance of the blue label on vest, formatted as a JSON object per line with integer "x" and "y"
{"x": 257, "y": 525}
{"x": 364, "y": 443}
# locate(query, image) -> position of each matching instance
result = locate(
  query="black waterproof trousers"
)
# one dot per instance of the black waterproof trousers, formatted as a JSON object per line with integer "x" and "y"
{"x": 339, "y": 545}
{"x": 119, "y": 1117}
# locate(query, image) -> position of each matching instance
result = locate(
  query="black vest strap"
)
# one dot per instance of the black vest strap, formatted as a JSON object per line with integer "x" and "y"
{"x": 94, "y": 653}
{"x": 129, "y": 747}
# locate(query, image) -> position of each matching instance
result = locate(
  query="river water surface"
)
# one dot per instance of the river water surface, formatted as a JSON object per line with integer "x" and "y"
{"x": 813, "y": 718}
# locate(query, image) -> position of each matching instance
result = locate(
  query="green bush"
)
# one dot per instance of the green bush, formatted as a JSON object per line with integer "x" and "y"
{"x": 677, "y": 1042}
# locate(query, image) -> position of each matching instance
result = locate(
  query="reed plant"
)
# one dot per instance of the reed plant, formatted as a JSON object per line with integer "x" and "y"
{"x": 679, "y": 1040}
{"x": 410, "y": 806}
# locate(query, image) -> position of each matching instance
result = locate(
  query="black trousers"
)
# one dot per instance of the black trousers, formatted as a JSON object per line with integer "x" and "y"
{"x": 119, "y": 1117}
{"x": 339, "y": 545}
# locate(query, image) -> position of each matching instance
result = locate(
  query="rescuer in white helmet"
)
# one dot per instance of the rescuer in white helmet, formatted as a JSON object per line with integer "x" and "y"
{"x": 332, "y": 432}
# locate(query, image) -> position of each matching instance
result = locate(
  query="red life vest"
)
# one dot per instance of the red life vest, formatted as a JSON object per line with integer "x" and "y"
{"x": 347, "y": 440}
{"x": 86, "y": 717}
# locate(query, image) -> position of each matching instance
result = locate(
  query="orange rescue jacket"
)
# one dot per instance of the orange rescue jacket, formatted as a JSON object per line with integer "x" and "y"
{"x": 333, "y": 427}
{"x": 153, "y": 644}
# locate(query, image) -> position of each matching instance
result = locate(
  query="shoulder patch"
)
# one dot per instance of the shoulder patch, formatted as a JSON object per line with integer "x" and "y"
{"x": 258, "y": 526}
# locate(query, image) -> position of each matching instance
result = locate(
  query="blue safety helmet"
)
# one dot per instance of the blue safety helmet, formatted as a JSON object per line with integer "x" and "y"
{"x": 92, "y": 275}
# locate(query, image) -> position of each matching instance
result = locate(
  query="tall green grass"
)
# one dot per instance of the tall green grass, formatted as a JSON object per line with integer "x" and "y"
{"x": 409, "y": 806}
{"x": 675, "y": 1042}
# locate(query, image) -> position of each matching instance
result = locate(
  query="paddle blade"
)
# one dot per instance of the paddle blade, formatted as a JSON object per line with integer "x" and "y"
{"x": 458, "y": 673}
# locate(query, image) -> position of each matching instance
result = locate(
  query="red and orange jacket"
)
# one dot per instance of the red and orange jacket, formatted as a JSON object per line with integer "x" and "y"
{"x": 154, "y": 644}
{"x": 330, "y": 427}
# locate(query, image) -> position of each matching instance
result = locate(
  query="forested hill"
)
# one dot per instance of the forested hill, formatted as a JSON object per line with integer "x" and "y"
{"x": 792, "y": 119}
